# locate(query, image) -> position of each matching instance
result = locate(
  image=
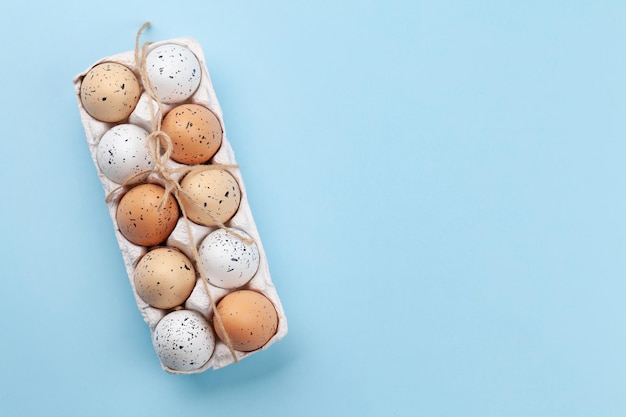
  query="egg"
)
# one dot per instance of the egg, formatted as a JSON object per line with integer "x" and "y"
{"x": 164, "y": 278}
{"x": 183, "y": 340}
{"x": 121, "y": 153}
{"x": 228, "y": 261}
{"x": 249, "y": 318}
{"x": 139, "y": 218}
{"x": 209, "y": 195}
{"x": 174, "y": 72}
{"x": 109, "y": 92}
{"x": 195, "y": 131}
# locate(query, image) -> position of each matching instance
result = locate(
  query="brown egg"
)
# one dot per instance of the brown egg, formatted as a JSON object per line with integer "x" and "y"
{"x": 209, "y": 195}
{"x": 139, "y": 218}
{"x": 195, "y": 131}
{"x": 164, "y": 277}
{"x": 249, "y": 318}
{"x": 109, "y": 92}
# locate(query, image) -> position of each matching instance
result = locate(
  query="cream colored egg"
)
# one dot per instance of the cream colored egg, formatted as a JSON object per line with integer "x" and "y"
{"x": 210, "y": 196}
{"x": 109, "y": 92}
{"x": 164, "y": 278}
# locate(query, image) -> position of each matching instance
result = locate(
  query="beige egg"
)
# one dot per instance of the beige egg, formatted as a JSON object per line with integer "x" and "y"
{"x": 164, "y": 277}
{"x": 139, "y": 218}
{"x": 195, "y": 131}
{"x": 109, "y": 92}
{"x": 249, "y": 318}
{"x": 210, "y": 195}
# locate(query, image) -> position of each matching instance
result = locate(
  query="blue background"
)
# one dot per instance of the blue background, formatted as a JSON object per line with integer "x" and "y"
{"x": 439, "y": 187}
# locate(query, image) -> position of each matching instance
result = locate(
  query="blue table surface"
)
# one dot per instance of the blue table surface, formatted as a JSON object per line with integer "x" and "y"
{"x": 438, "y": 185}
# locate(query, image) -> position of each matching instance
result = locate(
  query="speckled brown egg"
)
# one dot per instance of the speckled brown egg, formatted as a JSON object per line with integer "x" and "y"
{"x": 141, "y": 220}
{"x": 164, "y": 277}
{"x": 195, "y": 131}
{"x": 109, "y": 92}
{"x": 249, "y": 318}
{"x": 210, "y": 195}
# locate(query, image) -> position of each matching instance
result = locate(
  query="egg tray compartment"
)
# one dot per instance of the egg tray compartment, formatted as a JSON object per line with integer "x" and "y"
{"x": 179, "y": 238}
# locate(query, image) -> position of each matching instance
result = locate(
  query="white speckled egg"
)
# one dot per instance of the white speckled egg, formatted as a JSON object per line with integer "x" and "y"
{"x": 174, "y": 72}
{"x": 228, "y": 261}
{"x": 122, "y": 152}
{"x": 183, "y": 340}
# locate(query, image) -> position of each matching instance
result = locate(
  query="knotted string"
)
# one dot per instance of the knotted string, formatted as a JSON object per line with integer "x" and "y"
{"x": 160, "y": 147}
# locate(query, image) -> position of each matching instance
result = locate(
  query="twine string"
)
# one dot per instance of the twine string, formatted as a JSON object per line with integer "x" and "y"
{"x": 160, "y": 148}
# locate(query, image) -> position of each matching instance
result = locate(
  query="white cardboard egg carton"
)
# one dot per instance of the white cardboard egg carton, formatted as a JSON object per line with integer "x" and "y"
{"x": 243, "y": 220}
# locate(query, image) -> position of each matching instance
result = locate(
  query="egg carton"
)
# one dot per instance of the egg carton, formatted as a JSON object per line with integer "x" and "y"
{"x": 131, "y": 253}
